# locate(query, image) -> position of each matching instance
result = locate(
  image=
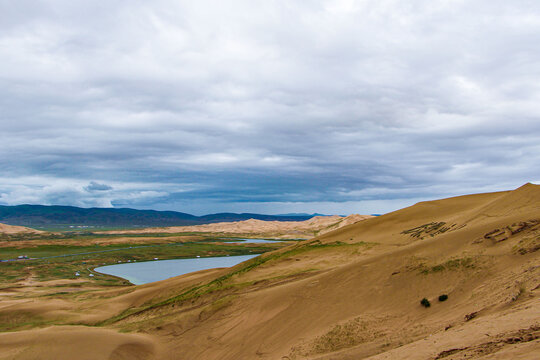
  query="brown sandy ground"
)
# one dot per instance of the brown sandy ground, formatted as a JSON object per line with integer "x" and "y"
{"x": 353, "y": 293}
{"x": 75, "y": 342}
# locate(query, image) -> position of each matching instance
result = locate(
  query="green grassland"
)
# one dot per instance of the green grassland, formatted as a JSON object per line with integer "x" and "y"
{"x": 78, "y": 252}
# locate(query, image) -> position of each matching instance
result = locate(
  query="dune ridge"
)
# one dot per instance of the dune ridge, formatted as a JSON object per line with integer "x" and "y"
{"x": 279, "y": 229}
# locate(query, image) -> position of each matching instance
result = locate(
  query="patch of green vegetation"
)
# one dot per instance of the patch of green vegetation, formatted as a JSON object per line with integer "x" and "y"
{"x": 217, "y": 305}
{"x": 453, "y": 264}
{"x": 57, "y": 294}
{"x": 89, "y": 235}
{"x": 521, "y": 291}
{"x": 19, "y": 320}
{"x": 334, "y": 225}
{"x": 328, "y": 228}
{"x": 93, "y": 235}
{"x": 443, "y": 297}
{"x": 342, "y": 336}
{"x": 12, "y": 271}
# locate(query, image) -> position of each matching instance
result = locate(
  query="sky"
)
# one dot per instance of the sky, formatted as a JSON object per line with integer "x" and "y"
{"x": 274, "y": 107}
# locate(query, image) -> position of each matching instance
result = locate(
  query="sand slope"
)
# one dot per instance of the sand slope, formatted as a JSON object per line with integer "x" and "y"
{"x": 352, "y": 293}
{"x": 12, "y": 229}
{"x": 75, "y": 342}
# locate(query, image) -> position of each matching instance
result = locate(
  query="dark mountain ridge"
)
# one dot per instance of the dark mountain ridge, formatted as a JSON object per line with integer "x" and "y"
{"x": 50, "y": 215}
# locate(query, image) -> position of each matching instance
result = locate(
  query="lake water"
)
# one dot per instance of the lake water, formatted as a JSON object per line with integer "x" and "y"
{"x": 150, "y": 271}
{"x": 250, "y": 241}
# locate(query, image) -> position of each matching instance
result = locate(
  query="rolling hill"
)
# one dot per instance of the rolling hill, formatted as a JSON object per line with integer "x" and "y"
{"x": 41, "y": 215}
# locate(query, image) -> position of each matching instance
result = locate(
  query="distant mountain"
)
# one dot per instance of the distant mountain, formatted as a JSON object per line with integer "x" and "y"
{"x": 304, "y": 214}
{"x": 42, "y": 215}
{"x": 228, "y": 217}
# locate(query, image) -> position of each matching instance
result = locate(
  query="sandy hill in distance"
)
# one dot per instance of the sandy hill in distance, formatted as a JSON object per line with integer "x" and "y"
{"x": 352, "y": 293}
{"x": 317, "y": 225}
{"x": 12, "y": 229}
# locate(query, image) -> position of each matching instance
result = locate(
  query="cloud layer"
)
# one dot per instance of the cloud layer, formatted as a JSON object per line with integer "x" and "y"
{"x": 328, "y": 106}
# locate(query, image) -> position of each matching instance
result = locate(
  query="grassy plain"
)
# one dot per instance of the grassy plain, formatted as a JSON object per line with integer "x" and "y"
{"x": 61, "y": 255}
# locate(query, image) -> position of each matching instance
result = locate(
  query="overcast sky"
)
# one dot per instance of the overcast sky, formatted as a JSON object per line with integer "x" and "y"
{"x": 266, "y": 106}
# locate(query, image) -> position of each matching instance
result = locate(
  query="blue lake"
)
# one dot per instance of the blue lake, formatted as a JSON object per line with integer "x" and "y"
{"x": 149, "y": 271}
{"x": 250, "y": 241}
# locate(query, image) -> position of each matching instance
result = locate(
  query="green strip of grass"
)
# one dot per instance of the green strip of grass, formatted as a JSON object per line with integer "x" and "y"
{"x": 453, "y": 264}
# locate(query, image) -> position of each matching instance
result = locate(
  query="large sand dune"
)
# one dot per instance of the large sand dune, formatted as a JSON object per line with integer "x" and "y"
{"x": 278, "y": 229}
{"x": 352, "y": 293}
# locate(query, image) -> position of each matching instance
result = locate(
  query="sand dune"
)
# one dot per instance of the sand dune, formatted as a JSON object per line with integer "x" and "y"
{"x": 12, "y": 229}
{"x": 352, "y": 293}
{"x": 284, "y": 229}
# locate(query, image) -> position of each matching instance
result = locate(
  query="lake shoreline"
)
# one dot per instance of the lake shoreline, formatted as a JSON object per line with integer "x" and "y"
{"x": 177, "y": 267}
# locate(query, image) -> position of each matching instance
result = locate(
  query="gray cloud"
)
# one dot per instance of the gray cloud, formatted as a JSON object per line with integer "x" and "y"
{"x": 267, "y": 106}
{"x": 95, "y": 186}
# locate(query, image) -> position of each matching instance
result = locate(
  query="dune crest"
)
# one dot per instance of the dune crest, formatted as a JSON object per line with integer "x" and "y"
{"x": 284, "y": 229}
